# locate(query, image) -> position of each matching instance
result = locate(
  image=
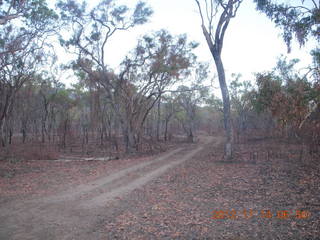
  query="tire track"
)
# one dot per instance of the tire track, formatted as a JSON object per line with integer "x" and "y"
{"x": 102, "y": 199}
{"x": 82, "y": 189}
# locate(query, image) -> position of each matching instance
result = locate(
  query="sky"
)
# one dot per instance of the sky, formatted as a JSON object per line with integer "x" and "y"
{"x": 252, "y": 43}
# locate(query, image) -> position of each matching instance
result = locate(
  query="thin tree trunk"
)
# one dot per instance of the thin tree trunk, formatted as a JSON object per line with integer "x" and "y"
{"x": 215, "y": 50}
{"x": 226, "y": 105}
{"x": 215, "y": 43}
{"x": 10, "y": 136}
{"x": 2, "y": 138}
{"x": 24, "y": 135}
{"x": 158, "y": 120}
{"x": 166, "y": 130}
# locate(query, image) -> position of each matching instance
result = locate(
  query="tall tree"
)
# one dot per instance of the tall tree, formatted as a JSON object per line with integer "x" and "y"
{"x": 300, "y": 20}
{"x": 92, "y": 29}
{"x": 214, "y": 35}
{"x": 22, "y": 48}
{"x": 188, "y": 100}
{"x": 155, "y": 65}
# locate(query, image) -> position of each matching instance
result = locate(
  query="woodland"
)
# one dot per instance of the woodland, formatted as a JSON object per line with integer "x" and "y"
{"x": 146, "y": 100}
{"x": 158, "y": 99}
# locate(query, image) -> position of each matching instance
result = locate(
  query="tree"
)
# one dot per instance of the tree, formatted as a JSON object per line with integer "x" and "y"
{"x": 158, "y": 62}
{"x": 12, "y": 9}
{"x": 168, "y": 113}
{"x": 214, "y": 36}
{"x": 92, "y": 30}
{"x": 189, "y": 100}
{"x": 241, "y": 107}
{"x": 296, "y": 20}
{"x": 22, "y": 48}
{"x": 286, "y": 95}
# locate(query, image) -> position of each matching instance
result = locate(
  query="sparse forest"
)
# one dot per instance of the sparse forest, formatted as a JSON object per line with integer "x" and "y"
{"x": 161, "y": 99}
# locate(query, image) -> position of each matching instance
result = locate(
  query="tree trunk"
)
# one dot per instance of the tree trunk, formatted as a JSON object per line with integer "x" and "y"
{"x": 10, "y": 135}
{"x": 215, "y": 49}
{"x": 215, "y": 43}
{"x": 129, "y": 138}
{"x": 24, "y": 135}
{"x": 166, "y": 130}
{"x": 158, "y": 120}
{"x": 226, "y": 104}
{"x": 2, "y": 137}
{"x": 43, "y": 131}
{"x": 64, "y": 136}
{"x": 4, "y": 112}
{"x": 190, "y": 136}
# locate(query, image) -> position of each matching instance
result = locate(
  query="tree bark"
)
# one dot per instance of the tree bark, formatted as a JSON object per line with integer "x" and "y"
{"x": 129, "y": 140}
{"x": 190, "y": 136}
{"x": 215, "y": 50}
{"x": 215, "y": 43}
{"x": 158, "y": 119}
{"x": 166, "y": 130}
{"x": 226, "y": 105}
{"x": 2, "y": 138}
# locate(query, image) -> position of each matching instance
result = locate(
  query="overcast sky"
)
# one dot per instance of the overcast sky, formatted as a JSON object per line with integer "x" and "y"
{"x": 252, "y": 43}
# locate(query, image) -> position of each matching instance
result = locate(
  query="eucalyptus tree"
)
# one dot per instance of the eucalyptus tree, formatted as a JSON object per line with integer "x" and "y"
{"x": 91, "y": 31}
{"x": 240, "y": 98}
{"x": 159, "y": 61}
{"x": 214, "y": 35}
{"x": 170, "y": 108}
{"x": 286, "y": 94}
{"x": 189, "y": 100}
{"x": 23, "y": 48}
{"x": 297, "y": 19}
{"x": 48, "y": 91}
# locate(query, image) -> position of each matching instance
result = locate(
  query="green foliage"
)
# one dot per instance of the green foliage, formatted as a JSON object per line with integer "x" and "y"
{"x": 24, "y": 38}
{"x": 284, "y": 94}
{"x": 141, "y": 13}
{"x": 37, "y": 11}
{"x": 92, "y": 28}
{"x": 240, "y": 94}
{"x": 268, "y": 85}
{"x": 160, "y": 57}
{"x": 299, "y": 21}
{"x": 215, "y": 103}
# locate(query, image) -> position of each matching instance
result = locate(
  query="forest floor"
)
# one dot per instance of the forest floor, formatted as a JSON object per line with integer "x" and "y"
{"x": 269, "y": 191}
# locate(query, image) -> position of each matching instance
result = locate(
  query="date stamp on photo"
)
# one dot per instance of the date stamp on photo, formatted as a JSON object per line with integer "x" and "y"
{"x": 265, "y": 214}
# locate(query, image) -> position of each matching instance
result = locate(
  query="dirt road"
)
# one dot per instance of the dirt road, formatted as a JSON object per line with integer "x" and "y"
{"x": 69, "y": 214}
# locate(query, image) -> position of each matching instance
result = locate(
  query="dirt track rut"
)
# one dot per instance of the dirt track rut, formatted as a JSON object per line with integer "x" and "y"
{"x": 63, "y": 215}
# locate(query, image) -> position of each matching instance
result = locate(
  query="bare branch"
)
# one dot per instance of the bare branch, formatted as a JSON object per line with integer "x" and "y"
{"x": 7, "y": 18}
{"x": 200, "y": 11}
